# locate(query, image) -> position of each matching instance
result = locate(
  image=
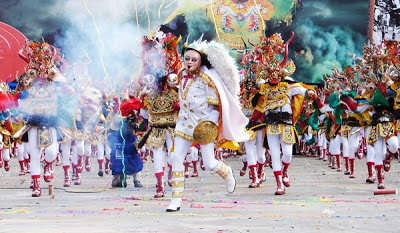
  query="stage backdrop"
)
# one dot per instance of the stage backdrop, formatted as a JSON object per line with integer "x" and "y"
{"x": 325, "y": 30}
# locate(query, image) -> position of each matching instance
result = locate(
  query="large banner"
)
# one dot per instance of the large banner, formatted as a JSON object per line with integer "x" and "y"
{"x": 106, "y": 35}
{"x": 386, "y": 18}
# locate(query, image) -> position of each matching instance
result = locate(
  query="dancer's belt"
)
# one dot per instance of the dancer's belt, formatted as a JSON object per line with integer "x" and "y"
{"x": 42, "y": 121}
{"x": 162, "y": 126}
{"x": 353, "y": 122}
{"x": 274, "y": 118}
{"x": 396, "y": 114}
{"x": 382, "y": 117}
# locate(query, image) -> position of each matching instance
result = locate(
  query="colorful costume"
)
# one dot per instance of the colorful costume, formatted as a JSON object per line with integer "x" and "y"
{"x": 209, "y": 105}
{"x": 162, "y": 103}
{"x": 255, "y": 150}
{"x": 279, "y": 102}
{"x": 40, "y": 107}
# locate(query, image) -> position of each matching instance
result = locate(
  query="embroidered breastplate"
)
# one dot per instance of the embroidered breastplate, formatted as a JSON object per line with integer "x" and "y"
{"x": 161, "y": 110}
{"x": 162, "y": 103}
{"x": 275, "y": 96}
{"x": 247, "y": 107}
{"x": 42, "y": 99}
{"x": 396, "y": 88}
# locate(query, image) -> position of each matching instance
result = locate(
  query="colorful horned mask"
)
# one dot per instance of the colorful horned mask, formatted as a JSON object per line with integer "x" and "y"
{"x": 265, "y": 59}
{"x": 42, "y": 59}
{"x": 160, "y": 59}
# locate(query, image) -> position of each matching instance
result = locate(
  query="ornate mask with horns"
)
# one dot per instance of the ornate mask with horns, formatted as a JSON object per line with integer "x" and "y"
{"x": 270, "y": 65}
{"x": 42, "y": 59}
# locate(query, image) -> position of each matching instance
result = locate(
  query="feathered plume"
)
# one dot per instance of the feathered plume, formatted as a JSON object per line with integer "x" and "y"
{"x": 225, "y": 66}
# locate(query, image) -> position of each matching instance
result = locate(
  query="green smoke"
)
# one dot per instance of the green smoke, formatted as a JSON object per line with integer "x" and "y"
{"x": 322, "y": 47}
{"x": 198, "y": 23}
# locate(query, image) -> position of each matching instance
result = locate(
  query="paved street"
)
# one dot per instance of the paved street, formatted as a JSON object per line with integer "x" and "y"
{"x": 319, "y": 200}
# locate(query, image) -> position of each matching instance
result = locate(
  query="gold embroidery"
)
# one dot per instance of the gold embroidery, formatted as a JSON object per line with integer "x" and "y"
{"x": 177, "y": 194}
{"x": 274, "y": 129}
{"x": 185, "y": 136}
{"x": 288, "y": 135}
{"x": 161, "y": 108}
{"x": 93, "y": 138}
{"x": 386, "y": 129}
{"x": 274, "y": 96}
{"x": 157, "y": 137}
{"x": 213, "y": 101}
{"x": 398, "y": 126}
{"x": 186, "y": 90}
{"x": 4, "y": 131}
{"x": 163, "y": 119}
{"x": 223, "y": 171}
{"x": 199, "y": 74}
{"x": 45, "y": 138}
{"x": 396, "y": 88}
{"x": 373, "y": 135}
{"x": 287, "y": 132}
{"x": 345, "y": 128}
{"x": 178, "y": 174}
{"x": 6, "y": 141}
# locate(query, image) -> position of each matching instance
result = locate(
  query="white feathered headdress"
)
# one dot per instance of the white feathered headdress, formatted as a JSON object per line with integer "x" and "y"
{"x": 225, "y": 65}
{"x": 218, "y": 56}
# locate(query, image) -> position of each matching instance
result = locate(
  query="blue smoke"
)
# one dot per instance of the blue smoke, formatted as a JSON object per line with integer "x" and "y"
{"x": 323, "y": 47}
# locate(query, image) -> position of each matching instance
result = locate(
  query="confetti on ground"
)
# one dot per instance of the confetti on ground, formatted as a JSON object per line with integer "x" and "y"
{"x": 223, "y": 207}
{"x": 11, "y": 211}
{"x": 196, "y": 206}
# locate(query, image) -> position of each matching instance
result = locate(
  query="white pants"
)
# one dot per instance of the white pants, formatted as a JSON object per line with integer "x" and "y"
{"x": 370, "y": 148}
{"x": 74, "y": 158}
{"x": 5, "y": 153}
{"x": 66, "y": 153}
{"x": 354, "y": 142}
{"x": 322, "y": 142}
{"x": 255, "y": 150}
{"x": 334, "y": 145}
{"x": 159, "y": 154}
{"x": 275, "y": 143}
{"x": 50, "y": 151}
{"x": 380, "y": 148}
{"x": 345, "y": 146}
{"x": 103, "y": 150}
{"x": 23, "y": 152}
{"x": 182, "y": 146}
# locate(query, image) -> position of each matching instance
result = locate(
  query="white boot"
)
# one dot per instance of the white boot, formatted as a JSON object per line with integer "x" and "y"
{"x": 226, "y": 173}
{"x": 175, "y": 205}
{"x": 178, "y": 186}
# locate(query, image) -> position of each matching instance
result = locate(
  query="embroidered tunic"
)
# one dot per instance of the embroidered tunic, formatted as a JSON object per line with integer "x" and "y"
{"x": 197, "y": 96}
{"x": 40, "y": 104}
{"x": 162, "y": 117}
{"x": 276, "y": 105}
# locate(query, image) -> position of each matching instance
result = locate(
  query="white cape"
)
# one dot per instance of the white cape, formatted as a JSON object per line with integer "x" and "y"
{"x": 232, "y": 118}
